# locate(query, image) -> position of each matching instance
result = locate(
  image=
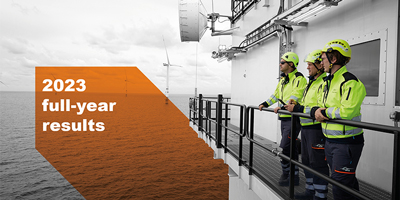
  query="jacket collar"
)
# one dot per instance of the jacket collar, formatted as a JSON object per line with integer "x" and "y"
{"x": 341, "y": 70}
{"x": 322, "y": 76}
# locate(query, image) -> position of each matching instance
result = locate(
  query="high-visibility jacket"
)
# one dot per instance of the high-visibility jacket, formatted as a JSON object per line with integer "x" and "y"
{"x": 290, "y": 86}
{"x": 342, "y": 96}
{"x": 310, "y": 98}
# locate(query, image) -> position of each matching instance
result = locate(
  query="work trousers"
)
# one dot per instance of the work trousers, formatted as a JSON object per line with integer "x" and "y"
{"x": 313, "y": 155}
{"x": 343, "y": 160}
{"x": 286, "y": 127}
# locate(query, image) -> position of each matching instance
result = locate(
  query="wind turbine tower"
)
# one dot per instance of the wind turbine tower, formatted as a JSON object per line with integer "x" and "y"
{"x": 168, "y": 64}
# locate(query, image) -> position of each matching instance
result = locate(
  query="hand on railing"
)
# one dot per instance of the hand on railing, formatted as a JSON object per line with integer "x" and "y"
{"x": 276, "y": 109}
{"x": 290, "y": 107}
{"x": 319, "y": 116}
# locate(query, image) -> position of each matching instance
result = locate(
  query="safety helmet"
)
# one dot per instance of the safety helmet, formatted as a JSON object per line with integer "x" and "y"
{"x": 314, "y": 57}
{"x": 291, "y": 57}
{"x": 340, "y": 45}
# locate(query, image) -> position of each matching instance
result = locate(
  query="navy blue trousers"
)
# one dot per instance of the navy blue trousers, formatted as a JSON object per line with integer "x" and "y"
{"x": 313, "y": 155}
{"x": 343, "y": 160}
{"x": 286, "y": 127}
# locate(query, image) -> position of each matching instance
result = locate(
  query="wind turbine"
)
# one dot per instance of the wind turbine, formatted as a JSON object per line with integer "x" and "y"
{"x": 167, "y": 65}
{"x": 126, "y": 84}
{"x": 3, "y": 83}
{"x": 54, "y": 81}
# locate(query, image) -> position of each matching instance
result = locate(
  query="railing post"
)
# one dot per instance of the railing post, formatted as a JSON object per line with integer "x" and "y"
{"x": 251, "y": 135}
{"x": 219, "y": 121}
{"x": 226, "y": 130}
{"x": 292, "y": 154}
{"x": 241, "y": 132}
{"x": 200, "y": 117}
{"x": 396, "y": 159}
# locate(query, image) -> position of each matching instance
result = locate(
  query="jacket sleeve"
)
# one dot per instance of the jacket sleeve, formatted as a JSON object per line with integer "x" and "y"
{"x": 299, "y": 84}
{"x": 320, "y": 96}
{"x": 274, "y": 97}
{"x": 352, "y": 96}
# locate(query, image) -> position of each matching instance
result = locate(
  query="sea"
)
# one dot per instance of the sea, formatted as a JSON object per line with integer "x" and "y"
{"x": 24, "y": 172}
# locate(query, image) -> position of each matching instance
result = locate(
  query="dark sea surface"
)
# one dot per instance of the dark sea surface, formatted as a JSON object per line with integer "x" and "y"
{"x": 24, "y": 172}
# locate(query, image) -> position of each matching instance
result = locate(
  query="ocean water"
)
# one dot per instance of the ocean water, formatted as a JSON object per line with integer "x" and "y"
{"x": 181, "y": 101}
{"x": 26, "y": 174}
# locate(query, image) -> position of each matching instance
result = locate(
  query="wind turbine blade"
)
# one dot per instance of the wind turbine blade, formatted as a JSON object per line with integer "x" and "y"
{"x": 175, "y": 65}
{"x": 166, "y": 52}
{"x": 3, "y": 83}
{"x": 53, "y": 77}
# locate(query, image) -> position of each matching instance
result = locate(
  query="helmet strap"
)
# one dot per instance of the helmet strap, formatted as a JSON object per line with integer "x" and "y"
{"x": 318, "y": 70}
{"x": 331, "y": 64}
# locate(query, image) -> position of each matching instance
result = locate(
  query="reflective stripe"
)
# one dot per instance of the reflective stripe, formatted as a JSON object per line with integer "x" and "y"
{"x": 308, "y": 110}
{"x": 284, "y": 166}
{"x": 337, "y": 114}
{"x": 335, "y": 132}
{"x": 329, "y": 112}
{"x": 320, "y": 187}
{"x": 338, "y": 132}
{"x": 306, "y": 120}
{"x": 342, "y": 172}
{"x": 334, "y": 115}
{"x": 309, "y": 180}
{"x": 309, "y": 187}
{"x": 321, "y": 195}
{"x": 272, "y": 97}
{"x": 294, "y": 98}
{"x": 357, "y": 118}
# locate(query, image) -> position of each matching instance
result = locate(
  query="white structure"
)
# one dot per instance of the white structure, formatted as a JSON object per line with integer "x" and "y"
{"x": 271, "y": 28}
{"x": 167, "y": 65}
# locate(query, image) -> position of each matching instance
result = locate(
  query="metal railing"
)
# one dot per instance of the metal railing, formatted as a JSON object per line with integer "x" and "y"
{"x": 246, "y": 130}
{"x": 239, "y": 8}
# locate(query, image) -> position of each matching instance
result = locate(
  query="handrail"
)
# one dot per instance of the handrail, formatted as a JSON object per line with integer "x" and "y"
{"x": 330, "y": 180}
{"x": 247, "y": 130}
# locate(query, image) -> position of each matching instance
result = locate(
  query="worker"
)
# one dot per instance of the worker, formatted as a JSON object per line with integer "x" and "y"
{"x": 290, "y": 86}
{"x": 312, "y": 139}
{"x": 340, "y": 98}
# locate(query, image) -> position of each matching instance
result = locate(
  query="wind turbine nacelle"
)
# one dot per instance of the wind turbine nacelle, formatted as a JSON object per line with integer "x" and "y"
{"x": 165, "y": 64}
{"x": 192, "y": 20}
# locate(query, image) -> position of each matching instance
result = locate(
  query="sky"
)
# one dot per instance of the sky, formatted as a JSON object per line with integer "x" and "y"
{"x": 109, "y": 33}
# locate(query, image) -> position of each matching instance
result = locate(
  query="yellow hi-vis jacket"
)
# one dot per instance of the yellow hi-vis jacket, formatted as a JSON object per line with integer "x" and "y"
{"x": 342, "y": 97}
{"x": 310, "y": 98}
{"x": 289, "y": 87}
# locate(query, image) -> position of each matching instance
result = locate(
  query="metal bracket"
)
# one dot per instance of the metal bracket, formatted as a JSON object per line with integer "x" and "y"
{"x": 284, "y": 22}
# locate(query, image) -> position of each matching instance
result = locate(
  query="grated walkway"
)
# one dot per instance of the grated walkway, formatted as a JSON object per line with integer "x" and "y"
{"x": 268, "y": 167}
